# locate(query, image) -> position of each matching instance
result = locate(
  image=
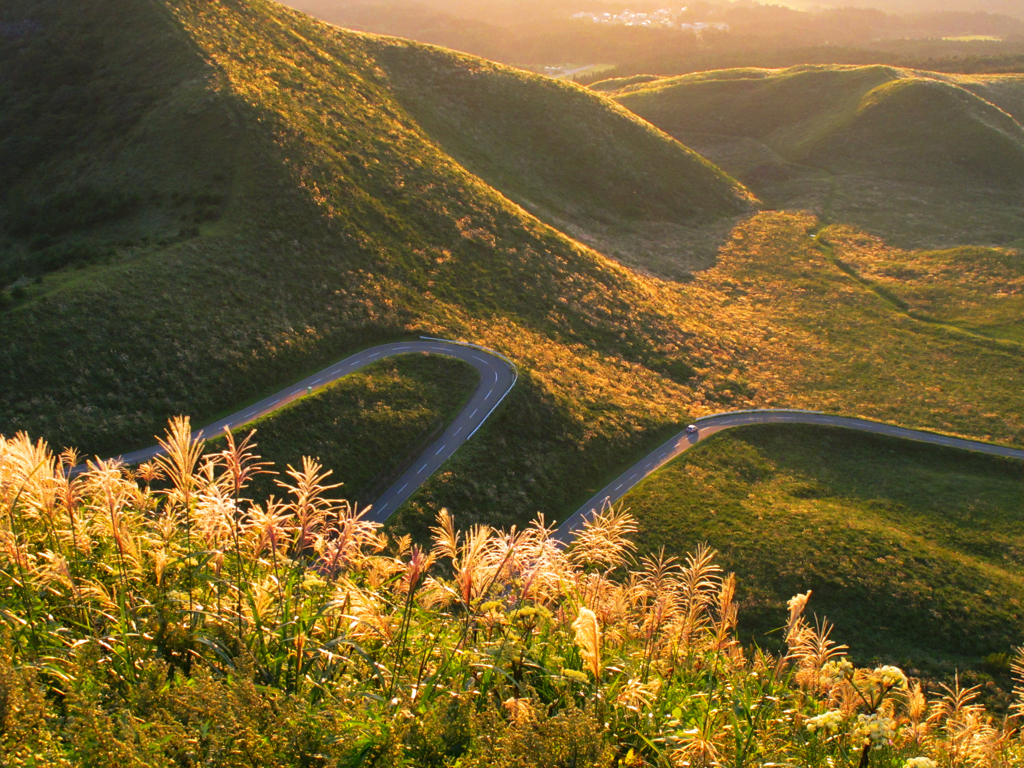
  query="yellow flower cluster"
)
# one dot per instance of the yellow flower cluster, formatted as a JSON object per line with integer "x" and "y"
{"x": 890, "y": 677}
{"x": 921, "y": 762}
{"x": 834, "y": 672}
{"x": 875, "y": 729}
{"x": 827, "y": 721}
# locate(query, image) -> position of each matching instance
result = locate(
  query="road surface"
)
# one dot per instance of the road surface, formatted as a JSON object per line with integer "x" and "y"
{"x": 497, "y": 377}
{"x": 709, "y": 425}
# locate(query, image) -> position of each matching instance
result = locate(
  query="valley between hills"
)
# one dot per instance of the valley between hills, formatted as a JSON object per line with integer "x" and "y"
{"x": 204, "y": 203}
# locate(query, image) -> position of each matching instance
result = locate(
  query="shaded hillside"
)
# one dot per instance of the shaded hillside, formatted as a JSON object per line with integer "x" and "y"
{"x": 916, "y": 156}
{"x": 109, "y": 135}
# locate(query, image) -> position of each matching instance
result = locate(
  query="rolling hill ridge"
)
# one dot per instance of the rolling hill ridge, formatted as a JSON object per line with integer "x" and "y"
{"x": 901, "y": 141}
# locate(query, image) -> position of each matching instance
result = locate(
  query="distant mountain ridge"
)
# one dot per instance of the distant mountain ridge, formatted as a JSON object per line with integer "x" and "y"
{"x": 1012, "y": 8}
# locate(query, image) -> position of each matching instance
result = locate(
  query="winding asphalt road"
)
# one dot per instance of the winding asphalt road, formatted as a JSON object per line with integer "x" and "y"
{"x": 709, "y": 425}
{"x": 497, "y": 377}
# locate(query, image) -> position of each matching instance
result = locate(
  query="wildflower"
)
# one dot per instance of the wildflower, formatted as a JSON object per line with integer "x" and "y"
{"x": 522, "y": 613}
{"x": 920, "y": 762}
{"x": 312, "y": 507}
{"x": 603, "y": 540}
{"x": 636, "y": 695}
{"x": 827, "y": 721}
{"x": 890, "y": 677}
{"x": 311, "y": 581}
{"x": 519, "y": 710}
{"x": 215, "y": 517}
{"x": 419, "y": 562}
{"x": 834, "y": 672}
{"x": 575, "y": 675}
{"x": 796, "y": 625}
{"x": 875, "y": 729}
{"x": 798, "y": 603}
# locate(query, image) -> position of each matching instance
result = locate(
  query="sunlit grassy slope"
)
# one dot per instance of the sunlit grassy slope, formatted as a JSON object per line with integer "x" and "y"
{"x": 355, "y": 213}
{"x": 923, "y": 157}
{"x": 811, "y": 335}
{"x": 980, "y": 290}
{"x": 914, "y": 551}
{"x": 605, "y": 177}
{"x": 346, "y": 223}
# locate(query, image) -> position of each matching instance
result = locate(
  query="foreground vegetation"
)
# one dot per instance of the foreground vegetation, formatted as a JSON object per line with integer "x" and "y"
{"x": 162, "y": 618}
{"x": 913, "y": 550}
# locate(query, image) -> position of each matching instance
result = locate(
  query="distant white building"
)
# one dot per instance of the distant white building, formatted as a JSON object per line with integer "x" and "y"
{"x": 665, "y": 18}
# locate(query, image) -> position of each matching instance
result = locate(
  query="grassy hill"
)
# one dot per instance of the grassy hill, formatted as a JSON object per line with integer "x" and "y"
{"x": 912, "y": 550}
{"x": 342, "y": 221}
{"x": 603, "y": 176}
{"x": 921, "y": 158}
{"x": 112, "y": 137}
{"x": 786, "y": 322}
{"x": 366, "y": 426}
{"x": 355, "y": 209}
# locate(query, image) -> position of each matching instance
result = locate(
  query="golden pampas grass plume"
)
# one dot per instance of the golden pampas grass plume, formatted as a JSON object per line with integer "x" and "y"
{"x": 588, "y": 638}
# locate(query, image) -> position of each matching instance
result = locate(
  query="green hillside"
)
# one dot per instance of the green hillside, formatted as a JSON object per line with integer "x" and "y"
{"x": 339, "y": 220}
{"x": 601, "y": 175}
{"x": 978, "y": 290}
{"x": 912, "y": 550}
{"x": 111, "y": 137}
{"x": 921, "y": 158}
{"x": 355, "y": 211}
{"x": 367, "y": 426}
